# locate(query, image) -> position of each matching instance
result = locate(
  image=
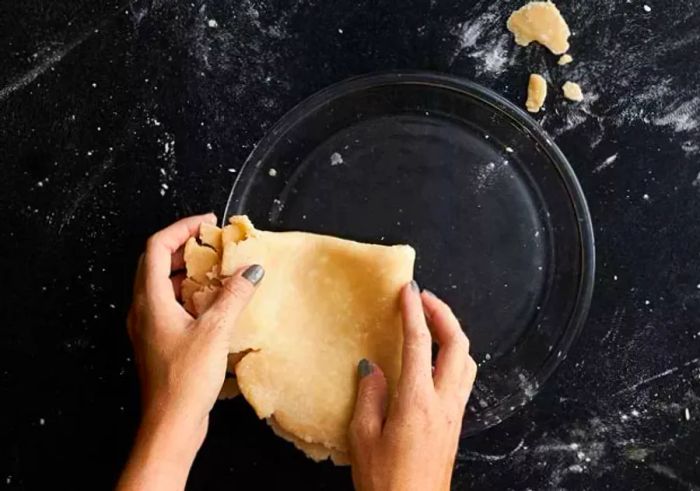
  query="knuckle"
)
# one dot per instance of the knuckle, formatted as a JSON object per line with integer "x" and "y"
{"x": 419, "y": 336}
{"x": 453, "y": 338}
{"x": 367, "y": 393}
{"x": 461, "y": 340}
{"x": 138, "y": 305}
{"x": 355, "y": 428}
{"x": 472, "y": 368}
{"x": 152, "y": 242}
{"x": 464, "y": 341}
{"x": 358, "y": 431}
{"x": 446, "y": 312}
{"x": 238, "y": 288}
{"x": 418, "y": 404}
{"x": 212, "y": 320}
{"x": 456, "y": 412}
{"x": 469, "y": 377}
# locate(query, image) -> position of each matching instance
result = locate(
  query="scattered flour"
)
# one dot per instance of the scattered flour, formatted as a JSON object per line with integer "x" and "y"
{"x": 483, "y": 38}
{"x": 493, "y": 59}
{"x": 690, "y": 147}
{"x": 486, "y": 175}
{"x": 684, "y": 117}
{"x": 47, "y": 62}
{"x": 605, "y": 164}
{"x": 696, "y": 183}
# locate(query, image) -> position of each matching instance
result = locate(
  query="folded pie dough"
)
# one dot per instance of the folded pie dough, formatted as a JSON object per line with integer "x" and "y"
{"x": 324, "y": 304}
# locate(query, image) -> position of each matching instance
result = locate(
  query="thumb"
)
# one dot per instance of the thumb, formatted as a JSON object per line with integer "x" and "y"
{"x": 368, "y": 418}
{"x": 234, "y": 295}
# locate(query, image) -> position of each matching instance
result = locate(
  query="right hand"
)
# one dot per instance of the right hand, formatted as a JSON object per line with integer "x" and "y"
{"x": 413, "y": 445}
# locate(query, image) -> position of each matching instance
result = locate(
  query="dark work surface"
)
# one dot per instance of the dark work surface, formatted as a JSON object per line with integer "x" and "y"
{"x": 115, "y": 119}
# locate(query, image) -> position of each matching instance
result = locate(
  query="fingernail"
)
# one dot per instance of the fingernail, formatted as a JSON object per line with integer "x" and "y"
{"x": 414, "y": 286}
{"x": 254, "y": 274}
{"x": 429, "y": 293}
{"x": 211, "y": 217}
{"x": 364, "y": 368}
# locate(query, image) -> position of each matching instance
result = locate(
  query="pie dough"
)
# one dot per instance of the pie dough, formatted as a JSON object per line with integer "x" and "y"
{"x": 541, "y": 22}
{"x": 536, "y": 93}
{"x": 324, "y": 304}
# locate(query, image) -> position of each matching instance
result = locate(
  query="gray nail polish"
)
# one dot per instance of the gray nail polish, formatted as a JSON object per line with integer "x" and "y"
{"x": 414, "y": 286}
{"x": 364, "y": 368}
{"x": 254, "y": 274}
{"x": 429, "y": 293}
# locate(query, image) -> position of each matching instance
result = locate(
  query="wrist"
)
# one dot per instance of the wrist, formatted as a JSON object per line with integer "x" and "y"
{"x": 163, "y": 453}
{"x": 175, "y": 435}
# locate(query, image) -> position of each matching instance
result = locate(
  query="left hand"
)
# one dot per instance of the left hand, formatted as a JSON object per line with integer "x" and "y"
{"x": 181, "y": 361}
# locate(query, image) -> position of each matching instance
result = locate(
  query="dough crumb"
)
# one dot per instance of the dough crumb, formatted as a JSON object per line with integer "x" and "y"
{"x": 336, "y": 158}
{"x": 536, "y": 93}
{"x": 272, "y": 172}
{"x": 541, "y": 22}
{"x": 647, "y": 8}
{"x": 565, "y": 59}
{"x": 572, "y": 91}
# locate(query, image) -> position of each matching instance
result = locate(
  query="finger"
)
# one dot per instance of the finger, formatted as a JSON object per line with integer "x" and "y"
{"x": 370, "y": 404}
{"x": 176, "y": 280}
{"x": 160, "y": 248}
{"x": 452, "y": 365}
{"x": 138, "y": 276}
{"x": 416, "y": 357}
{"x": 177, "y": 259}
{"x": 472, "y": 370}
{"x": 131, "y": 322}
{"x": 234, "y": 295}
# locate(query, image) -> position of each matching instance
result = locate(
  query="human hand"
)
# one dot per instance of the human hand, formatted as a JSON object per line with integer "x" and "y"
{"x": 181, "y": 361}
{"x": 413, "y": 445}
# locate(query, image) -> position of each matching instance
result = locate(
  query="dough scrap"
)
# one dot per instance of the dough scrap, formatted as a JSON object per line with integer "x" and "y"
{"x": 199, "y": 260}
{"x": 324, "y": 304}
{"x": 572, "y": 91}
{"x": 536, "y": 93}
{"x": 541, "y": 22}
{"x": 210, "y": 235}
{"x": 565, "y": 59}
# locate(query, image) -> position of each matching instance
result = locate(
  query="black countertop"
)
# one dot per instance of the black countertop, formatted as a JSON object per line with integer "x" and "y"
{"x": 117, "y": 118}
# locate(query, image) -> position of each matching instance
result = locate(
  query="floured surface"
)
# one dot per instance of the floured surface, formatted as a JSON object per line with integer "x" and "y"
{"x": 68, "y": 211}
{"x": 324, "y": 304}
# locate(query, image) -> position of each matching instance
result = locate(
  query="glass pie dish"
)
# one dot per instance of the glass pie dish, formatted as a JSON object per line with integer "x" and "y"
{"x": 496, "y": 215}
